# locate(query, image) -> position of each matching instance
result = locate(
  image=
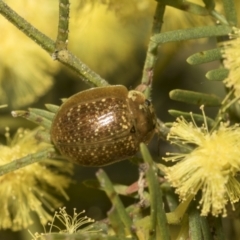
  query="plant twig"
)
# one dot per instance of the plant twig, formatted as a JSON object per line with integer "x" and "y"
{"x": 194, "y": 224}
{"x": 158, "y": 219}
{"x": 116, "y": 202}
{"x": 63, "y": 23}
{"x": 205, "y": 229}
{"x": 151, "y": 57}
{"x": 27, "y": 160}
{"x": 230, "y": 12}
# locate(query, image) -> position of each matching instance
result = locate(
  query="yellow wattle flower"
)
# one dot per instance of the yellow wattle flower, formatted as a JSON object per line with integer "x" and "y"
{"x": 231, "y": 53}
{"x": 30, "y": 188}
{"x": 210, "y": 167}
{"x": 72, "y": 224}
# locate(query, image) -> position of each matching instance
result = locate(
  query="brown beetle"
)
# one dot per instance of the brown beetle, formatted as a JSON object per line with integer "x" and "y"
{"x": 103, "y": 125}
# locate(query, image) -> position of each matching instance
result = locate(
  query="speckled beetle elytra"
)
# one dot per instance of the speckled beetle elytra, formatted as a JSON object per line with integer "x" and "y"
{"x": 103, "y": 125}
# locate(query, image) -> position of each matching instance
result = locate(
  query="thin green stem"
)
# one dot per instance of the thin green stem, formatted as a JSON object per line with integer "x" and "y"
{"x": 158, "y": 219}
{"x": 116, "y": 222}
{"x": 205, "y": 229}
{"x": 63, "y": 23}
{"x": 152, "y": 186}
{"x": 194, "y": 224}
{"x": 230, "y": 11}
{"x": 224, "y": 109}
{"x": 48, "y": 44}
{"x": 27, "y": 160}
{"x": 116, "y": 202}
{"x": 151, "y": 57}
{"x": 158, "y": 18}
{"x": 162, "y": 226}
{"x": 85, "y": 73}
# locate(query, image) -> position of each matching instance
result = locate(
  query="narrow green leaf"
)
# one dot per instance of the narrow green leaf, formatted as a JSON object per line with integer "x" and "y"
{"x": 195, "y": 224}
{"x": 205, "y": 229}
{"x": 52, "y": 108}
{"x": 195, "y": 97}
{"x": 191, "y": 33}
{"x": 230, "y": 11}
{"x": 63, "y": 23}
{"x": 188, "y": 116}
{"x": 25, "y": 161}
{"x": 152, "y": 51}
{"x": 152, "y": 186}
{"x": 116, "y": 222}
{"x": 205, "y": 56}
{"x": 42, "y": 113}
{"x": 217, "y": 74}
{"x": 116, "y": 201}
{"x": 157, "y": 212}
{"x": 33, "y": 117}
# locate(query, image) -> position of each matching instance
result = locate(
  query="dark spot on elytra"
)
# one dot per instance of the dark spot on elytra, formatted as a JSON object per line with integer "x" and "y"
{"x": 132, "y": 130}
